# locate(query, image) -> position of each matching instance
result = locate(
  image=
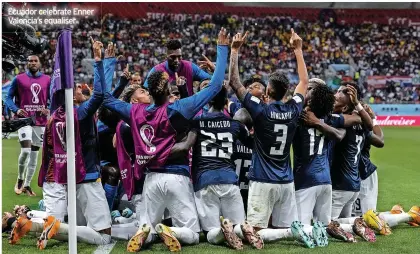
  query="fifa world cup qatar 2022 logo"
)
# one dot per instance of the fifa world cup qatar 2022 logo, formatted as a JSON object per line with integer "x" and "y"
{"x": 147, "y": 134}
{"x": 60, "y": 128}
{"x": 35, "y": 90}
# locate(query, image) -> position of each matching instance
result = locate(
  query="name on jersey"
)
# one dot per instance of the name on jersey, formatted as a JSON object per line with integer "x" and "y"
{"x": 215, "y": 124}
{"x": 243, "y": 149}
{"x": 281, "y": 116}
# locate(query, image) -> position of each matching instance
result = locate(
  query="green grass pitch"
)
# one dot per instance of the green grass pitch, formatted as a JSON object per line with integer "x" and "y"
{"x": 399, "y": 176}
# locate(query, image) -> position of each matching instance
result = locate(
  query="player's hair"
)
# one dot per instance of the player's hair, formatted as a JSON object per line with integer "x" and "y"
{"x": 219, "y": 101}
{"x": 255, "y": 78}
{"x": 110, "y": 118}
{"x": 279, "y": 85}
{"x": 158, "y": 86}
{"x": 317, "y": 81}
{"x": 173, "y": 44}
{"x": 322, "y": 102}
{"x": 243, "y": 116}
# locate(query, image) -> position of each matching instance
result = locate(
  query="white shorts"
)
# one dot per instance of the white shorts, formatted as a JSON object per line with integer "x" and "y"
{"x": 33, "y": 133}
{"x": 342, "y": 203}
{"x": 174, "y": 192}
{"x": 368, "y": 196}
{"x": 221, "y": 199}
{"x": 92, "y": 207}
{"x": 55, "y": 199}
{"x": 266, "y": 199}
{"x": 314, "y": 202}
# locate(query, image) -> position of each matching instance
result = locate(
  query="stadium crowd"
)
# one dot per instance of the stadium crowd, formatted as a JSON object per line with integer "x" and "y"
{"x": 374, "y": 49}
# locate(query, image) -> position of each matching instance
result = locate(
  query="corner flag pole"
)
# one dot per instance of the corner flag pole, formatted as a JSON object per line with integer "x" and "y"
{"x": 63, "y": 79}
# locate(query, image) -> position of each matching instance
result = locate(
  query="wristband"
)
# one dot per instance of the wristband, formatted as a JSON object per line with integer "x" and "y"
{"x": 375, "y": 122}
{"x": 359, "y": 107}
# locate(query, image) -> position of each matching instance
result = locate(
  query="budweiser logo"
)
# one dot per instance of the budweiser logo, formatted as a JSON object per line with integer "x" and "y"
{"x": 398, "y": 120}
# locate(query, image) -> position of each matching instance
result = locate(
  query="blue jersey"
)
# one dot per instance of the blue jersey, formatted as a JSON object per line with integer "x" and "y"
{"x": 242, "y": 156}
{"x": 366, "y": 167}
{"x": 274, "y": 125}
{"x": 213, "y": 149}
{"x": 345, "y": 164}
{"x": 311, "y": 150}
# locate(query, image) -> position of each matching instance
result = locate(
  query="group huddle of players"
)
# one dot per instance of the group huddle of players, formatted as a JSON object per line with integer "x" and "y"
{"x": 216, "y": 161}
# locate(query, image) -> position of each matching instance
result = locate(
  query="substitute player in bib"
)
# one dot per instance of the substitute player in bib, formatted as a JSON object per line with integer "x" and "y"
{"x": 154, "y": 129}
{"x": 174, "y": 65}
{"x": 346, "y": 156}
{"x": 30, "y": 91}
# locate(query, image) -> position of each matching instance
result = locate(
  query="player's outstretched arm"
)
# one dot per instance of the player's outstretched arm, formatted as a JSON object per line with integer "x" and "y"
{"x": 109, "y": 65}
{"x": 332, "y": 133}
{"x": 89, "y": 107}
{"x": 302, "y": 87}
{"x": 366, "y": 119}
{"x": 190, "y": 106}
{"x": 377, "y": 136}
{"x": 234, "y": 79}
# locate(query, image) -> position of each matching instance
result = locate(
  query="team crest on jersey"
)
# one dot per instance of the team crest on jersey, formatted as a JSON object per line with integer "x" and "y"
{"x": 35, "y": 90}
{"x": 60, "y": 128}
{"x": 147, "y": 134}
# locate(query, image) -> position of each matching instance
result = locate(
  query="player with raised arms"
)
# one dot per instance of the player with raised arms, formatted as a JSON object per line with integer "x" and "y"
{"x": 154, "y": 129}
{"x": 271, "y": 187}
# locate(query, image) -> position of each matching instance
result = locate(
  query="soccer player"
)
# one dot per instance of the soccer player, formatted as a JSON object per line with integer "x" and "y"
{"x": 154, "y": 130}
{"x": 274, "y": 127}
{"x": 368, "y": 195}
{"x": 271, "y": 188}
{"x": 215, "y": 180}
{"x": 30, "y": 90}
{"x": 175, "y": 65}
{"x": 255, "y": 87}
{"x": 310, "y": 149}
{"x": 345, "y": 163}
{"x": 242, "y": 155}
{"x": 91, "y": 204}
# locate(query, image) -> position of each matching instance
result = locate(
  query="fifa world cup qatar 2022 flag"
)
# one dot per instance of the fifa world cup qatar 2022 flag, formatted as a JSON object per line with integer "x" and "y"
{"x": 63, "y": 69}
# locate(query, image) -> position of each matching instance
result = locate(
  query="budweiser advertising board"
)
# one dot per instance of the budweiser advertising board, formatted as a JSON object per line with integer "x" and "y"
{"x": 398, "y": 120}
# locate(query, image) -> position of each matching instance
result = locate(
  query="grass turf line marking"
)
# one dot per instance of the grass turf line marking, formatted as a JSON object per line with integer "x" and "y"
{"x": 105, "y": 249}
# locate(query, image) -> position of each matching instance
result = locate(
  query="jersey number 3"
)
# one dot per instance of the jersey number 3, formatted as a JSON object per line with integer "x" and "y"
{"x": 214, "y": 151}
{"x": 281, "y": 138}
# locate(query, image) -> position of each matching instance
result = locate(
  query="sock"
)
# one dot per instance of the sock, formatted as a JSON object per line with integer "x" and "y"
{"x": 238, "y": 231}
{"x": 37, "y": 214}
{"x": 123, "y": 220}
{"x": 33, "y": 160}
{"x": 347, "y": 220}
{"x": 215, "y": 236}
{"x": 347, "y": 227}
{"x": 185, "y": 235}
{"x": 22, "y": 162}
{"x": 110, "y": 192}
{"x": 270, "y": 235}
{"x": 395, "y": 219}
{"x": 308, "y": 230}
{"x": 84, "y": 235}
{"x": 124, "y": 231}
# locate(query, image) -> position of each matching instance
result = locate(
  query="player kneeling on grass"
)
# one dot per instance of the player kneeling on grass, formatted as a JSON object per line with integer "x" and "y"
{"x": 93, "y": 227}
{"x": 154, "y": 128}
{"x": 212, "y": 137}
